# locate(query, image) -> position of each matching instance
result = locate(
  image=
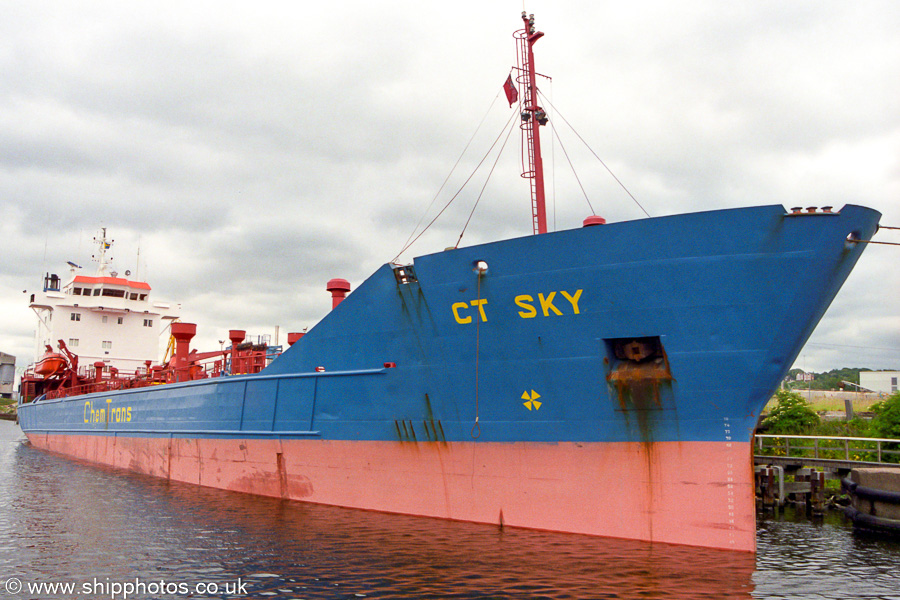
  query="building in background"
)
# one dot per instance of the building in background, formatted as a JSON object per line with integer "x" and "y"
{"x": 7, "y": 374}
{"x": 884, "y": 382}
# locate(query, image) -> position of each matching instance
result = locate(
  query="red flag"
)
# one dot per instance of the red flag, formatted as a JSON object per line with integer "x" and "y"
{"x": 512, "y": 94}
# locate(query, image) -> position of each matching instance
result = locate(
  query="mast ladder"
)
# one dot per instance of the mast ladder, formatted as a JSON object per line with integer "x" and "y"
{"x": 533, "y": 117}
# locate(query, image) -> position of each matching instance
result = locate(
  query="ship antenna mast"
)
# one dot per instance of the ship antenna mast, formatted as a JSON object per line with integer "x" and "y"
{"x": 103, "y": 245}
{"x": 533, "y": 116}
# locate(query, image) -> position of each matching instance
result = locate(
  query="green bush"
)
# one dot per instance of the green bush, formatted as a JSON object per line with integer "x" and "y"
{"x": 886, "y": 422}
{"x": 792, "y": 415}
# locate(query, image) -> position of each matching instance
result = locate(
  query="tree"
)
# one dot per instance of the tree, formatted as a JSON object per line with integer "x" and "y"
{"x": 791, "y": 415}
{"x": 886, "y": 422}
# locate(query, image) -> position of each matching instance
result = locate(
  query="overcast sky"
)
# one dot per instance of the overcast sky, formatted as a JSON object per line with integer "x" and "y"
{"x": 252, "y": 151}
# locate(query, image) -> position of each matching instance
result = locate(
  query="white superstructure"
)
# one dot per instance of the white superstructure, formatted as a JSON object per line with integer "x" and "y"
{"x": 101, "y": 318}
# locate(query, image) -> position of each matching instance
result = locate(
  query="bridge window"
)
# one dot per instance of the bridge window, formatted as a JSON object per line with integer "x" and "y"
{"x": 76, "y": 316}
{"x": 73, "y": 342}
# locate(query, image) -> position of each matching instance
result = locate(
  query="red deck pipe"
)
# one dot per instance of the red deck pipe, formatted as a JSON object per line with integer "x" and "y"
{"x": 98, "y": 371}
{"x": 339, "y": 289}
{"x": 236, "y": 336}
{"x": 183, "y": 333}
{"x": 294, "y": 337}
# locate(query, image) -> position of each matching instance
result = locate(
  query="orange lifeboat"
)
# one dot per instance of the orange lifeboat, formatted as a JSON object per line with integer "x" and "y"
{"x": 50, "y": 364}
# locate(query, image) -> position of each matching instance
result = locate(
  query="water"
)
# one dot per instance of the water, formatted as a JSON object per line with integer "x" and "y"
{"x": 99, "y": 529}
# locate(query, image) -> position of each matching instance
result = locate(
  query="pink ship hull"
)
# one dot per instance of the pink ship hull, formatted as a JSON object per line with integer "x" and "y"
{"x": 692, "y": 493}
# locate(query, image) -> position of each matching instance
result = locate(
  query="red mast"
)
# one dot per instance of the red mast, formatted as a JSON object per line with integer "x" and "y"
{"x": 533, "y": 116}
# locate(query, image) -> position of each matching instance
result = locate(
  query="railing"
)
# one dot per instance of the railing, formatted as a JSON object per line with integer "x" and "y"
{"x": 849, "y": 449}
{"x": 94, "y": 387}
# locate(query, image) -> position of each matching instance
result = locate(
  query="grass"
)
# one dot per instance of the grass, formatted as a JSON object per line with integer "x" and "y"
{"x": 820, "y": 404}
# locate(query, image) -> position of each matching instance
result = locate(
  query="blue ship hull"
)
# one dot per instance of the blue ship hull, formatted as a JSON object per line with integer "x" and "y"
{"x": 654, "y": 344}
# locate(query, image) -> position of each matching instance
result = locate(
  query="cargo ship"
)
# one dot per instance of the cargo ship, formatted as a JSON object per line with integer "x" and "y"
{"x": 604, "y": 380}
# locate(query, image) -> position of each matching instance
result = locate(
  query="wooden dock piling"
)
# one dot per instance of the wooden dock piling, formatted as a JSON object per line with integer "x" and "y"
{"x": 808, "y": 488}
